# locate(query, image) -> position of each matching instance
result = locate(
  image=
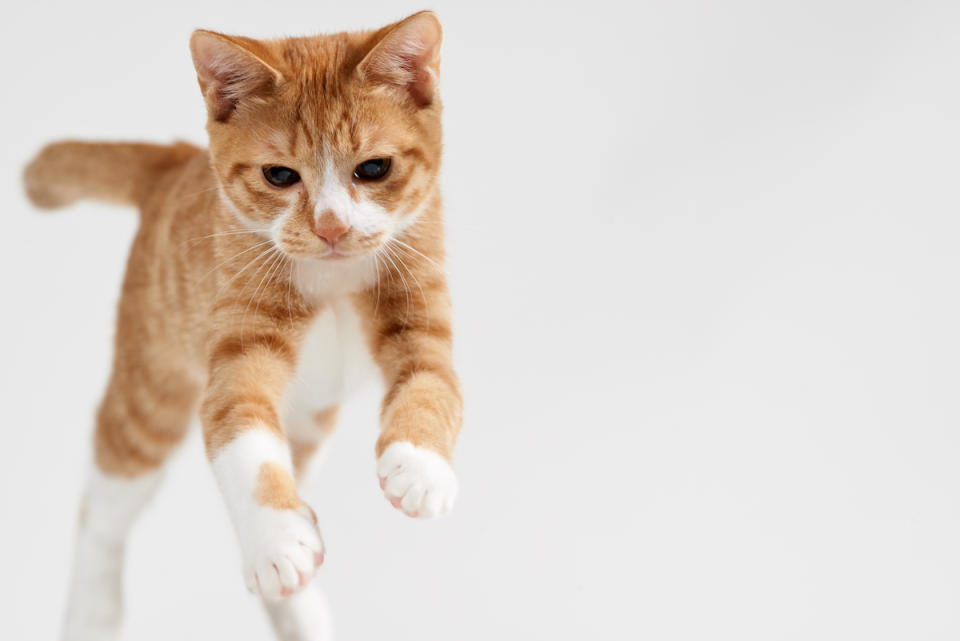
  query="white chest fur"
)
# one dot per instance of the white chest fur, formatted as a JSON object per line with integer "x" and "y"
{"x": 320, "y": 281}
{"x": 334, "y": 362}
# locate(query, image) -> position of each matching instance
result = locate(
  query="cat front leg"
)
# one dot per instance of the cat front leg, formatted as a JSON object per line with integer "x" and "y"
{"x": 251, "y": 362}
{"x": 411, "y": 340}
{"x": 279, "y": 539}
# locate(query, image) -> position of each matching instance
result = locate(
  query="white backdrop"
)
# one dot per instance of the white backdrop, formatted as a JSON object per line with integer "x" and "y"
{"x": 704, "y": 260}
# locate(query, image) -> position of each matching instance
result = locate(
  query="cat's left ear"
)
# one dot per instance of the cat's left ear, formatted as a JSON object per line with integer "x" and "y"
{"x": 408, "y": 57}
{"x": 230, "y": 69}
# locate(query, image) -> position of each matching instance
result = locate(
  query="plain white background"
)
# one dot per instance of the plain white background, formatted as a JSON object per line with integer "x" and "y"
{"x": 704, "y": 260}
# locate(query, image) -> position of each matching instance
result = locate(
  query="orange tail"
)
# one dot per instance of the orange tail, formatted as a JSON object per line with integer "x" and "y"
{"x": 65, "y": 172}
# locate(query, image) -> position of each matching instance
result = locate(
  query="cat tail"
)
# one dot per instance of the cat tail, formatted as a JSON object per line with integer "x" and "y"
{"x": 64, "y": 172}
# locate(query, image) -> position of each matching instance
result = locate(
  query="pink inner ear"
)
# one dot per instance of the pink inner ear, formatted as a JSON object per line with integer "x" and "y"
{"x": 409, "y": 57}
{"x": 228, "y": 72}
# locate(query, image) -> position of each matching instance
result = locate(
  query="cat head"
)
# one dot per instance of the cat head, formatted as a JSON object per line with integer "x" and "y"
{"x": 328, "y": 145}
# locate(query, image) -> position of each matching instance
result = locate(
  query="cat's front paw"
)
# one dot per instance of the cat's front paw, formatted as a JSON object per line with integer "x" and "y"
{"x": 416, "y": 480}
{"x": 282, "y": 550}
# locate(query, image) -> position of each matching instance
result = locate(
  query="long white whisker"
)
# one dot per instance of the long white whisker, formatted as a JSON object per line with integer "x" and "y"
{"x": 419, "y": 253}
{"x": 406, "y": 287}
{"x": 292, "y": 266}
{"x": 243, "y": 320}
{"x": 202, "y": 191}
{"x": 273, "y": 273}
{"x": 245, "y": 267}
{"x": 251, "y": 248}
{"x": 219, "y": 234}
{"x": 426, "y": 309}
{"x": 376, "y": 265}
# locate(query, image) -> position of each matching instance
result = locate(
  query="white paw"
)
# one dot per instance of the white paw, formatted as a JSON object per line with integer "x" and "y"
{"x": 282, "y": 550}
{"x": 416, "y": 480}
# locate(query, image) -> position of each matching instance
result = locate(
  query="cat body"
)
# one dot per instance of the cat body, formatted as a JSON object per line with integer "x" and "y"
{"x": 267, "y": 275}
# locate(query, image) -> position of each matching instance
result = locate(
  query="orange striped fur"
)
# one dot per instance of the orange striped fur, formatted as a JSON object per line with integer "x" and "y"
{"x": 191, "y": 321}
{"x": 216, "y": 304}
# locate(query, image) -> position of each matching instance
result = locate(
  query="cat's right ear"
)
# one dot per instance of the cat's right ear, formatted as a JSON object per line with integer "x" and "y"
{"x": 230, "y": 69}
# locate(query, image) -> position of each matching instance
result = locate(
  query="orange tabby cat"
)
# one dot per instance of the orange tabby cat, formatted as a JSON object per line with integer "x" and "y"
{"x": 315, "y": 214}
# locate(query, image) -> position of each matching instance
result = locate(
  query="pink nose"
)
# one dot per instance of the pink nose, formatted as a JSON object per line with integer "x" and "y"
{"x": 330, "y": 228}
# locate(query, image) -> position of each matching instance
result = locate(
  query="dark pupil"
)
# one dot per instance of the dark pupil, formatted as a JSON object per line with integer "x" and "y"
{"x": 372, "y": 168}
{"x": 282, "y": 175}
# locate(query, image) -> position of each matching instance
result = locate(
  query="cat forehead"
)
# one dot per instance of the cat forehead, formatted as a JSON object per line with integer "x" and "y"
{"x": 321, "y": 103}
{"x": 321, "y": 147}
{"x": 307, "y": 134}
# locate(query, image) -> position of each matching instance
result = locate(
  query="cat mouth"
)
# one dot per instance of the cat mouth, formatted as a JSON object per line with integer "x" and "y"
{"x": 335, "y": 254}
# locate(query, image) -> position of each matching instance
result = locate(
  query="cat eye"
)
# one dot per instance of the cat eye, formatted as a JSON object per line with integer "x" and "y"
{"x": 373, "y": 169}
{"x": 281, "y": 176}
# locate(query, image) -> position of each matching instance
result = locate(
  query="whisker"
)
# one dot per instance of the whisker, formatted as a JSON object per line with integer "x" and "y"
{"x": 274, "y": 271}
{"x": 419, "y": 253}
{"x": 292, "y": 265}
{"x": 273, "y": 263}
{"x": 376, "y": 265}
{"x": 251, "y": 248}
{"x": 217, "y": 235}
{"x": 266, "y": 265}
{"x": 251, "y": 262}
{"x": 406, "y": 287}
{"x": 202, "y": 191}
{"x": 426, "y": 309}
{"x": 272, "y": 253}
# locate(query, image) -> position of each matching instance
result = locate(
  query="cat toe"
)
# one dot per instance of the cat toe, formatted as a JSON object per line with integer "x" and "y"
{"x": 284, "y": 556}
{"x": 417, "y": 481}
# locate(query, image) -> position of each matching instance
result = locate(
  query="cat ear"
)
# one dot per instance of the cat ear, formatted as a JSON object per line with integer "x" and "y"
{"x": 408, "y": 57}
{"x": 230, "y": 69}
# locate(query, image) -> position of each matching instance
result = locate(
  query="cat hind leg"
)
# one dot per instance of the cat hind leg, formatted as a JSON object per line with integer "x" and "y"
{"x": 129, "y": 455}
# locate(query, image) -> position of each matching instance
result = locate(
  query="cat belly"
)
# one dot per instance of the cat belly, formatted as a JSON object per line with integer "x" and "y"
{"x": 334, "y": 363}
